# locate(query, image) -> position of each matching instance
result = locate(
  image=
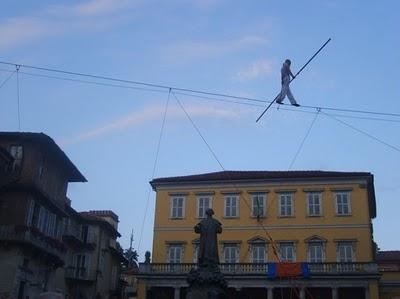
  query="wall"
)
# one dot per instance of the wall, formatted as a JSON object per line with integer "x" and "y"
{"x": 297, "y": 228}
{"x": 8, "y": 269}
{"x": 53, "y": 180}
{"x": 13, "y": 207}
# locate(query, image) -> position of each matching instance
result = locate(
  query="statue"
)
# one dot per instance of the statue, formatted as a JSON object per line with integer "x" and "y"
{"x": 147, "y": 257}
{"x": 207, "y": 281}
{"x": 208, "y": 230}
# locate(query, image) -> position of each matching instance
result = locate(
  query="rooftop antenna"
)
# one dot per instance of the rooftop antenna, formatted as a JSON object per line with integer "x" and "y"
{"x": 131, "y": 241}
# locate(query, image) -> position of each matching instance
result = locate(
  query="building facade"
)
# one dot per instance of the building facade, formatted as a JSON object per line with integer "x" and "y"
{"x": 389, "y": 267}
{"x": 94, "y": 257}
{"x": 32, "y": 199}
{"x": 270, "y": 219}
{"x": 45, "y": 245}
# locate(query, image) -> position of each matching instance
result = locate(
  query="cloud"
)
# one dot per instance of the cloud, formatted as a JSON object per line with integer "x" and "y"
{"x": 201, "y": 4}
{"x": 256, "y": 69}
{"x": 146, "y": 115}
{"x": 97, "y": 7}
{"x": 16, "y": 31}
{"x": 59, "y": 19}
{"x": 192, "y": 50}
{"x": 92, "y": 8}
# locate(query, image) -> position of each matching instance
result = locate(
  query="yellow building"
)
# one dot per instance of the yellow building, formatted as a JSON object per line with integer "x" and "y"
{"x": 389, "y": 267}
{"x": 319, "y": 218}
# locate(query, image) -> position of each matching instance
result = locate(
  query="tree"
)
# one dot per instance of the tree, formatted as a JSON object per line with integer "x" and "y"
{"x": 130, "y": 254}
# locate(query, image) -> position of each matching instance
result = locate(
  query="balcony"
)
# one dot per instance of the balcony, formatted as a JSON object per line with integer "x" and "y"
{"x": 35, "y": 239}
{"x": 316, "y": 269}
{"x": 80, "y": 273}
{"x": 72, "y": 233}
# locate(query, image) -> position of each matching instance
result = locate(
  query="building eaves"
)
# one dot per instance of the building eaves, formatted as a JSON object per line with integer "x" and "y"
{"x": 388, "y": 256}
{"x": 229, "y": 176}
{"x": 74, "y": 175}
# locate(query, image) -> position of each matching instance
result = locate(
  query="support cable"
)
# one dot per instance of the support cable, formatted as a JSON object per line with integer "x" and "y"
{"x": 8, "y": 78}
{"x": 304, "y": 139}
{"x": 18, "y": 104}
{"x": 198, "y": 131}
{"x": 154, "y": 167}
{"x": 362, "y": 132}
{"x": 275, "y": 251}
{"x": 274, "y": 248}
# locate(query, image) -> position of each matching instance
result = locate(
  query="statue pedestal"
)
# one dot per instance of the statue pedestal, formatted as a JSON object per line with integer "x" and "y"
{"x": 206, "y": 282}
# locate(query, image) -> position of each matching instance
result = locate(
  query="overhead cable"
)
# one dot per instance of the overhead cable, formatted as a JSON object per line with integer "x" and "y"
{"x": 187, "y": 90}
{"x": 362, "y": 132}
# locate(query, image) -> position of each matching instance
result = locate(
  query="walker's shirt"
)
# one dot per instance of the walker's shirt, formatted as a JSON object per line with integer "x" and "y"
{"x": 285, "y": 72}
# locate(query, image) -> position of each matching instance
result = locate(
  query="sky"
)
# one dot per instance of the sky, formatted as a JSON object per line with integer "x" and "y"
{"x": 111, "y": 133}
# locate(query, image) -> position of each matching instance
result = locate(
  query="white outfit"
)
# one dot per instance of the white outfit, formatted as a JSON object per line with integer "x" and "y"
{"x": 285, "y": 72}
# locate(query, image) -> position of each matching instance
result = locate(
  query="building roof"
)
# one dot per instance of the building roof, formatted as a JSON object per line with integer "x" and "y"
{"x": 93, "y": 218}
{"x": 388, "y": 256}
{"x": 230, "y": 176}
{"x": 105, "y": 213}
{"x": 74, "y": 175}
{"x": 278, "y": 176}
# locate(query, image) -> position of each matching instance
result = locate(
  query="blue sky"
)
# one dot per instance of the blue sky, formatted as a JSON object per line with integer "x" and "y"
{"x": 111, "y": 133}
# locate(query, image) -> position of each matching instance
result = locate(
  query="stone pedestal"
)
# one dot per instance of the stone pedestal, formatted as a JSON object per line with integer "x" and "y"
{"x": 206, "y": 283}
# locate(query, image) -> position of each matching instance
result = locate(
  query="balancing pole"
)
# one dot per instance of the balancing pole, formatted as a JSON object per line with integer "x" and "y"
{"x": 295, "y": 76}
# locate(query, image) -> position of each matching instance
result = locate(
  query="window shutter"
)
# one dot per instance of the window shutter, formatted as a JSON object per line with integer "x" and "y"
{"x": 41, "y": 219}
{"x": 90, "y": 234}
{"x": 30, "y": 212}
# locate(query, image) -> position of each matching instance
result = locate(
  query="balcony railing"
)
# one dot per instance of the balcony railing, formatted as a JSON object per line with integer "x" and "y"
{"x": 252, "y": 268}
{"x": 80, "y": 273}
{"x": 73, "y": 231}
{"x": 31, "y": 236}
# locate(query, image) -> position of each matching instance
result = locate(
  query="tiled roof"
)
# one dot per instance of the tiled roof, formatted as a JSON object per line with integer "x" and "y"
{"x": 386, "y": 256}
{"x": 258, "y": 175}
{"x": 49, "y": 144}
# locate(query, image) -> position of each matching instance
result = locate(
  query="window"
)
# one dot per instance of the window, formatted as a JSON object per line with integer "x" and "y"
{"x": 177, "y": 207}
{"x": 16, "y": 152}
{"x": 316, "y": 252}
{"x": 287, "y": 252}
{"x": 258, "y": 253}
{"x": 101, "y": 261}
{"x": 343, "y": 203}
{"x": 345, "y": 252}
{"x": 175, "y": 254}
{"x": 286, "y": 204}
{"x": 36, "y": 215}
{"x": 42, "y": 219}
{"x": 258, "y": 204}
{"x": 314, "y": 204}
{"x": 231, "y": 206}
{"x": 114, "y": 272}
{"x": 203, "y": 203}
{"x": 85, "y": 233}
{"x": 41, "y": 169}
{"x": 196, "y": 247}
{"x": 81, "y": 263}
{"x": 231, "y": 253}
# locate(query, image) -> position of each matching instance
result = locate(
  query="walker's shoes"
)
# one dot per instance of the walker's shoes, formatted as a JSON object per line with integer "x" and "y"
{"x": 297, "y": 105}
{"x": 280, "y": 103}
